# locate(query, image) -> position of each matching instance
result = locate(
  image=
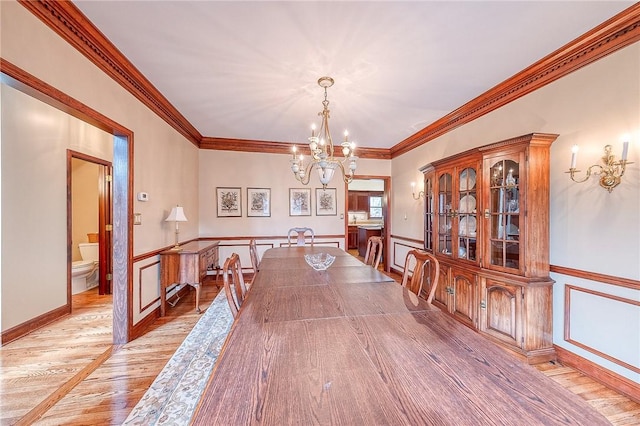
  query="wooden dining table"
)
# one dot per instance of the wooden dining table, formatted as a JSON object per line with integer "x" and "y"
{"x": 350, "y": 346}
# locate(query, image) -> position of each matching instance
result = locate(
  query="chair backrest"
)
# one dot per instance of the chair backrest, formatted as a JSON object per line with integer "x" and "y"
{"x": 300, "y": 235}
{"x": 414, "y": 283}
{"x": 374, "y": 252}
{"x": 234, "y": 286}
{"x": 253, "y": 252}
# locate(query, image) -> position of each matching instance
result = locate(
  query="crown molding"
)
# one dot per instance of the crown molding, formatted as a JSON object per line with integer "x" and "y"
{"x": 610, "y": 36}
{"x": 246, "y": 145}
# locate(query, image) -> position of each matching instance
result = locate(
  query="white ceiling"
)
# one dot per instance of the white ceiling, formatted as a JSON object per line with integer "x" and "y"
{"x": 249, "y": 69}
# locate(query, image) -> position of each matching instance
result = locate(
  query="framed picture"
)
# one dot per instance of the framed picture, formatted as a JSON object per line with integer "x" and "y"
{"x": 258, "y": 202}
{"x": 326, "y": 203}
{"x": 299, "y": 202}
{"x": 229, "y": 202}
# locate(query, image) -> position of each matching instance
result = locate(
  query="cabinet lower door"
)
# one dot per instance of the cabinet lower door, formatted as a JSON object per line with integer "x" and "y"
{"x": 463, "y": 296}
{"x": 501, "y": 312}
{"x": 441, "y": 296}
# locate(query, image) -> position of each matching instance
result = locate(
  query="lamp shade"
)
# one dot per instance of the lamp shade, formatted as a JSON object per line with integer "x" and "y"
{"x": 176, "y": 215}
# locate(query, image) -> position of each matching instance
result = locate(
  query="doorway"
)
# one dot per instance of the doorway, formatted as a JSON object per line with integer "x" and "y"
{"x": 376, "y": 183}
{"x": 89, "y": 221}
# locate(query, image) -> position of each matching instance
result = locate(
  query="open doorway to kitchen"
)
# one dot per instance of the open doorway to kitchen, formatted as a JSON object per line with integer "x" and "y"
{"x": 367, "y": 214}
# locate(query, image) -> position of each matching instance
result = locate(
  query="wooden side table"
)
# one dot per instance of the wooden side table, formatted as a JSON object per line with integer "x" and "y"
{"x": 187, "y": 265}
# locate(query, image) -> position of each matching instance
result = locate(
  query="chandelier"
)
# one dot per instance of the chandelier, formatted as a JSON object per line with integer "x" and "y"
{"x": 322, "y": 150}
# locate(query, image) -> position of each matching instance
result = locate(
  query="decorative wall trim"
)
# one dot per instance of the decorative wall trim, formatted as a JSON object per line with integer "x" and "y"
{"x": 594, "y": 276}
{"x": 397, "y": 244}
{"x": 33, "y": 324}
{"x": 608, "y": 378}
{"x": 247, "y": 145}
{"x": 411, "y": 240}
{"x": 612, "y": 35}
{"x": 157, "y": 299}
{"x": 318, "y": 243}
{"x": 567, "y": 323}
{"x": 618, "y": 32}
{"x": 38, "y": 89}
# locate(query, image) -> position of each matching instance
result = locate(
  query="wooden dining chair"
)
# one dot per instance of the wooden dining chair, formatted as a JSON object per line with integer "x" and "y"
{"x": 413, "y": 280}
{"x": 374, "y": 252}
{"x": 300, "y": 235}
{"x": 234, "y": 286}
{"x": 255, "y": 260}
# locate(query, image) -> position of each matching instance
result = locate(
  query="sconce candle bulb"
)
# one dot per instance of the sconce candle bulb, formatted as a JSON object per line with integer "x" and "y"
{"x": 574, "y": 155}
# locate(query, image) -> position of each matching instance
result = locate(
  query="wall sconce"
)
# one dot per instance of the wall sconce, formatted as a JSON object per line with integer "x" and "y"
{"x": 610, "y": 172}
{"x": 176, "y": 215}
{"x": 413, "y": 192}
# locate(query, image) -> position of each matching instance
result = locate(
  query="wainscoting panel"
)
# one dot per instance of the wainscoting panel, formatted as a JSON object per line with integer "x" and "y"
{"x": 146, "y": 287}
{"x": 603, "y": 324}
{"x": 399, "y": 249}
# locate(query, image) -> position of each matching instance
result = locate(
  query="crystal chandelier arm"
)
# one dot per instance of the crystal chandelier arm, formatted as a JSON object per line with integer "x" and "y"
{"x": 347, "y": 176}
{"x": 307, "y": 174}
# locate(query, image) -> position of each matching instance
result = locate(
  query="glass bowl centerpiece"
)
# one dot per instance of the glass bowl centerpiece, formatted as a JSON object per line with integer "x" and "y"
{"x": 319, "y": 261}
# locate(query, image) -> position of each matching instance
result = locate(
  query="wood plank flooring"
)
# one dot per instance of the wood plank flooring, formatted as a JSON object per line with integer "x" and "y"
{"x": 69, "y": 373}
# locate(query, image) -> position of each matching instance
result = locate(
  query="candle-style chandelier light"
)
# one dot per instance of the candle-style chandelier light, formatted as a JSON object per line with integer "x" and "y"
{"x": 321, "y": 148}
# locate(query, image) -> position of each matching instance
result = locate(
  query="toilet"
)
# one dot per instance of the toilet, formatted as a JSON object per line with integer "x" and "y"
{"x": 84, "y": 273}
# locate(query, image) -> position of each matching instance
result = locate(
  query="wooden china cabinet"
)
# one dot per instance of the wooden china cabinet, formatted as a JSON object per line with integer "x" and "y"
{"x": 487, "y": 221}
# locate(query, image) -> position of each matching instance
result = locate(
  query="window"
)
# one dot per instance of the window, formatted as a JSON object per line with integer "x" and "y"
{"x": 375, "y": 206}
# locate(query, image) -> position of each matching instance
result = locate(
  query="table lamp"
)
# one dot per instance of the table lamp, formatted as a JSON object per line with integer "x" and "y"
{"x": 176, "y": 215}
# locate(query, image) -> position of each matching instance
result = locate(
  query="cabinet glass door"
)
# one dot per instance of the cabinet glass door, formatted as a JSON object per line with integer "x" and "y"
{"x": 467, "y": 214}
{"x": 504, "y": 205}
{"x": 428, "y": 212}
{"x": 445, "y": 214}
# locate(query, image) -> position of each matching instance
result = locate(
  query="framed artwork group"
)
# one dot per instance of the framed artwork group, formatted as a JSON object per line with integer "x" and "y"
{"x": 229, "y": 202}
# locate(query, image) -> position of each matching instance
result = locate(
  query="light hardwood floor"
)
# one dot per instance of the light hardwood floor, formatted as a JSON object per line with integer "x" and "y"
{"x": 69, "y": 373}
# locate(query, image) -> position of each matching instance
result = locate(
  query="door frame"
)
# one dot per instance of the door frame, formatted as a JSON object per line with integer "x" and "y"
{"x": 105, "y": 208}
{"x": 386, "y": 214}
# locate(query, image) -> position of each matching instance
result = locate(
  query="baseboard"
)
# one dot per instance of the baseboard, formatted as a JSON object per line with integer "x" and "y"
{"x": 600, "y": 374}
{"x": 35, "y": 323}
{"x": 141, "y": 326}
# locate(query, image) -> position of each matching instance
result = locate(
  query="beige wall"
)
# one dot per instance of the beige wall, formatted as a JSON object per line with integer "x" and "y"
{"x": 590, "y": 229}
{"x": 255, "y": 170}
{"x": 35, "y": 139}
